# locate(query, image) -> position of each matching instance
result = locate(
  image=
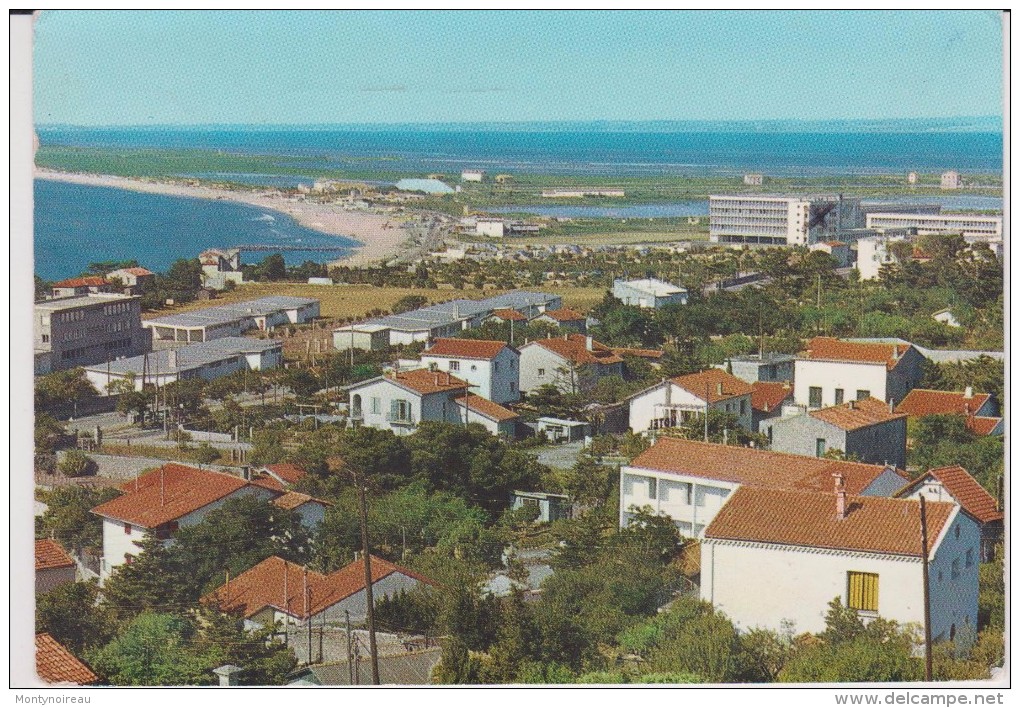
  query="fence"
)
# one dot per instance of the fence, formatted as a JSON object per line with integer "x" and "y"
{"x": 208, "y": 436}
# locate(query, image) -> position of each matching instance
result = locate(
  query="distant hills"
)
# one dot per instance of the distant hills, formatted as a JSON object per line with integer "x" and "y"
{"x": 965, "y": 124}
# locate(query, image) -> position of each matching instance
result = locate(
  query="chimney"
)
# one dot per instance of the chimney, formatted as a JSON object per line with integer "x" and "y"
{"x": 968, "y": 392}
{"x": 891, "y": 406}
{"x": 852, "y": 404}
{"x": 589, "y": 344}
{"x": 171, "y": 358}
{"x": 718, "y": 388}
{"x": 228, "y": 674}
{"x": 840, "y": 496}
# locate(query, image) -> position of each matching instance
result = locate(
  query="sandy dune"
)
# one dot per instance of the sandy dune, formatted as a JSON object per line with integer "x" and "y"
{"x": 380, "y": 236}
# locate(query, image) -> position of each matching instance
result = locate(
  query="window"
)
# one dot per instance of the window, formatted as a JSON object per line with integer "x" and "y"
{"x": 820, "y": 447}
{"x": 454, "y": 366}
{"x": 46, "y": 337}
{"x": 862, "y": 394}
{"x": 970, "y": 557}
{"x": 129, "y": 558}
{"x": 127, "y": 528}
{"x": 839, "y": 396}
{"x": 690, "y": 489}
{"x": 862, "y": 591}
{"x": 770, "y": 435}
{"x": 376, "y": 408}
{"x": 956, "y": 531}
{"x": 954, "y": 571}
{"x": 530, "y": 503}
{"x": 815, "y": 397}
{"x": 541, "y": 372}
{"x": 474, "y": 367}
{"x": 743, "y": 408}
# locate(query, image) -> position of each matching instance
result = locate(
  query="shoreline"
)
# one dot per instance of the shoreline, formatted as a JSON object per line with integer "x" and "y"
{"x": 378, "y": 237}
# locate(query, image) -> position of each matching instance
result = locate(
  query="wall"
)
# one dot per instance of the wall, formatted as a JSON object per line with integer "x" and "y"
{"x": 905, "y": 376}
{"x": 830, "y": 375}
{"x": 671, "y": 497}
{"x": 954, "y": 601}
{"x": 881, "y": 444}
{"x": 385, "y": 391}
{"x": 798, "y": 435}
{"x": 46, "y": 580}
{"x": 760, "y": 585}
{"x": 535, "y": 357}
{"x": 389, "y": 586}
{"x": 651, "y": 405}
{"x": 106, "y": 329}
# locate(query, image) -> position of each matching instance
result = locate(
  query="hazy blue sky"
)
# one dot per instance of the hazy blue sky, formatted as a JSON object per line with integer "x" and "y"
{"x": 118, "y": 68}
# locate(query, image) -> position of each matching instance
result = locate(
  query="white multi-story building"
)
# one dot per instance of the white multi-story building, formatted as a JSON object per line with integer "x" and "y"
{"x": 87, "y": 329}
{"x": 965, "y": 224}
{"x": 831, "y": 371}
{"x": 781, "y": 220}
{"x": 674, "y": 401}
{"x": 572, "y": 363}
{"x": 491, "y": 367}
{"x": 775, "y": 559}
{"x": 873, "y": 252}
{"x": 690, "y": 481}
{"x": 648, "y": 293}
{"x": 951, "y": 180}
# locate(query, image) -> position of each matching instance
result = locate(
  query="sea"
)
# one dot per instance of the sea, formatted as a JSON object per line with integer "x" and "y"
{"x": 77, "y": 225}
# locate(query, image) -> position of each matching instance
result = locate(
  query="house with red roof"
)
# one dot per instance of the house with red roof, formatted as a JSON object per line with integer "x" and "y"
{"x": 401, "y": 400}
{"x": 571, "y": 363}
{"x": 565, "y": 318}
{"x": 978, "y": 409}
{"x": 867, "y": 430}
{"x": 830, "y": 371}
{"x": 81, "y": 286}
{"x": 690, "y": 481}
{"x": 954, "y": 484}
{"x": 135, "y": 278}
{"x": 774, "y": 558}
{"x": 672, "y": 402}
{"x": 53, "y": 566}
{"x": 55, "y": 664}
{"x": 491, "y": 367}
{"x": 161, "y": 501}
{"x": 277, "y": 590}
{"x": 767, "y": 401}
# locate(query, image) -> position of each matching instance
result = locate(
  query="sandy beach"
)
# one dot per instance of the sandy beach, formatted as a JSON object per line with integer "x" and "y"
{"x": 381, "y": 236}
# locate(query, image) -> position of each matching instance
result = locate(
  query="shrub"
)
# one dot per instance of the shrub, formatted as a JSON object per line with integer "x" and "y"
{"x": 77, "y": 464}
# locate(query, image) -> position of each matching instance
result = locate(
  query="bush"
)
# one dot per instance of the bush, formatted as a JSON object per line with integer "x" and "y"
{"x": 77, "y": 464}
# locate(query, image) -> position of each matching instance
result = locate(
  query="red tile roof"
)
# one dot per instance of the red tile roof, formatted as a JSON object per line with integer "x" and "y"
{"x": 760, "y": 468}
{"x": 509, "y": 314}
{"x": 767, "y": 396}
{"x": 922, "y": 401}
{"x": 424, "y": 381}
{"x": 717, "y": 384}
{"x": 291, "y": 474}
{"x": 168, "y": 493}
{"x": 875, "y": 524}
{"x": 135, "y": 271}
{"x": 966, "y": 490}
{"x": 489, "y": 409}
{"x": 564, "y": 314}
{"x": 466, "y": 348}
{"x": 983, "y": 425}
{"x": 50, "y": 554}
{"x": 86, "y": 282}
{"x": 853, "y": 415}
{"x": 55, "y": 664}
{"x": 264, "y": 585}
{"x": 574, "y": 348}
{"x": 833, "y": 349}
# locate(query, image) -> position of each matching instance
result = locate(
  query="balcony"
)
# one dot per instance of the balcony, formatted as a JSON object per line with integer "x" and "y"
{"x": 400, "y": 419}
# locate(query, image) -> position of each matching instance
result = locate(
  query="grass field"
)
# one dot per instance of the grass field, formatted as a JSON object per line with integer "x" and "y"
{"x": 353, "y": 301}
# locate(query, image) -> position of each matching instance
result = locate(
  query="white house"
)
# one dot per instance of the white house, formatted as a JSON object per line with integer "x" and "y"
{"x": 160, "y": 502}
{"x": 310, "y": 511}
{"x": 673, "y": 401}
{"x": 277, "y": 590}
{"x": 831, "y": 371}
{"x": 954, "y": 484}
{"x": 399, "y": 401}
{"x": 690, "y": 481}
{"x": 472, "y": 175}
{"x": 494, "y": 228}
{"x": 947, "y": 318}
{"x": 648, "y": 293}
{"x": 873, "y": 252}
{"x": 491, "y": 367}
{"x": 565, "y": 318}
{"x": 572, "y": 363}
{"x": 775, "y": 558}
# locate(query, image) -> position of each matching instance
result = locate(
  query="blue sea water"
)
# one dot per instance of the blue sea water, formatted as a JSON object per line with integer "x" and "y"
{"x": 76, "y": 225}
{"x": 596, "y": 152}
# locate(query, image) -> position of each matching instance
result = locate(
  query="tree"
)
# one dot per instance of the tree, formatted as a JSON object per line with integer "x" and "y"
{"x": 302, "y": 382}
{"x": 72, "y": 616}
{"x": 49, "y": 434}
{"x": 154, "y": 650}
{"x": 267, "y": 447}
{"x": 133, "y": 401}
{"x": 272, "y": 268}
{"x": 152, "y": 581}
{"x": 67, "y": 517}
{"x": 456, "y": 666}
{"x": 76, "y": 463}
{"x": 206, "y": 454}
{"x": 223, "y": 639}
{"x": 63, "y": 387}
{"x": 589, "y": 482}
{"x": 408, "y": 303}
{"x": 183, "y": 280}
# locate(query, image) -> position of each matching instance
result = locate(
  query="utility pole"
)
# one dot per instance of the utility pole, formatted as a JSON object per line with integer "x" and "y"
{"x": 927, "y": 600}
{"x": 708, "y": 388}
{"x": 368, "y": 586}
{"x": 350, "y": 649}
{"x": 308, "y": 613}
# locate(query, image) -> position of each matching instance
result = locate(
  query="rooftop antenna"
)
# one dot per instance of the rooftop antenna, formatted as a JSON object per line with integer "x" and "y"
{"x": 161, "y": 483}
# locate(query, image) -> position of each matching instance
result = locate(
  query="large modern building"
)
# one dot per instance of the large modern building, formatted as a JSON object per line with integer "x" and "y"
{"x": 230, "y": 320}
{"x": 89, "y": 329}
{"x": 202, "y": 360}
{"x": 780, "y": 220}
{"x": 966, "y": 224}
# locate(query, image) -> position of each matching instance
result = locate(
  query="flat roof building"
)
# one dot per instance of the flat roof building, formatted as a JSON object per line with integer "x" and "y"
{"x": 781, "y": 220}
{"x": 648, "y": 293}
{"x": 87, "y": 329}
{"x": 230, "y": 320}
{"x": 966, "y": 224}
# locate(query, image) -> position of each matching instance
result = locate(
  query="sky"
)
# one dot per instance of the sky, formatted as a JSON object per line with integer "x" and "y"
{"x": 303, "y": 68}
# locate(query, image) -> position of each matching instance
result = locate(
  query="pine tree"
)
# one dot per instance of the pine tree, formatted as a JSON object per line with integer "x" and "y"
{"x": 151, "y": 581}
